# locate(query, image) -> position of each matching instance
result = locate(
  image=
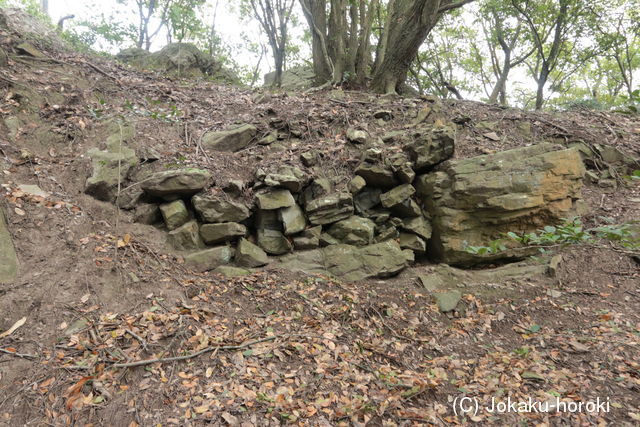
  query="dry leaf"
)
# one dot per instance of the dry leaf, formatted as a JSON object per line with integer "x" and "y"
{"x": 15, "y": 326}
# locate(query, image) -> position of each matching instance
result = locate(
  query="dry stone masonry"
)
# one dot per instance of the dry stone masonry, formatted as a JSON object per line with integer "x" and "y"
{"x": 405, "y": 200}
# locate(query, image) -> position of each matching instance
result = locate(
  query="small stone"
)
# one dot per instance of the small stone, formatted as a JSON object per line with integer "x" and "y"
{"x": 327, "y": 239}
{"x": 268, "y": 139}
{"x": 291, "y": 178}
{"x": 33, "y": 190}
{"x": 366, "y": 200}
{"x": 357, "y": 184}
{"x": 309, "y": 158}
{"x": 275, "y": 199}
{"x": 209, "y": 259}
{"x": 357, "y": 136}
{"x": 223, "y": 232}
{"x": 293, "y": 219}
{"x": 174, "y": 214}
{"x": 492, "y": 136}
{"x": 387, "y": 233}
{"x": 554, "y": 265}
{"x": 447, "y": 301}
{"x": 249, "y": 255}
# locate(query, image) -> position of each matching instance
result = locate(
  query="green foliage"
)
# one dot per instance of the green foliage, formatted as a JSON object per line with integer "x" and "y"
{"x": 568, "y": 232}
{"x": 32, "y": 7}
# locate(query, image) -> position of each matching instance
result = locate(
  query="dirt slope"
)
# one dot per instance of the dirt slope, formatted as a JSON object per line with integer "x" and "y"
{"x": 98, "y": 289}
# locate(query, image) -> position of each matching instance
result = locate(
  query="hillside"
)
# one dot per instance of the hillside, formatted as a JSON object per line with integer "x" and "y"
{"x": 131, "y": 319}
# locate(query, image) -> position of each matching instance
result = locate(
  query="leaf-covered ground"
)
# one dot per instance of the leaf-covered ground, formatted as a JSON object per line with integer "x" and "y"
{"x": 98, "y": 293}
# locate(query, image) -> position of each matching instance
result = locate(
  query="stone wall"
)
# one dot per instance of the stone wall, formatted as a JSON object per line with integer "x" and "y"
{"x": 411, "y": 202}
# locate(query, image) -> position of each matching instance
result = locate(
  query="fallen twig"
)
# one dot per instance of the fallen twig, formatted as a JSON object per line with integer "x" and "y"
{"x": 191, "y": 356}
{"x": 21, "y": 355}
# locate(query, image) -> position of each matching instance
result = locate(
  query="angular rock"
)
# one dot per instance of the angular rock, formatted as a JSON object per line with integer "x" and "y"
{"x": 356, "y": 185}
{"x": 174, "y": 214}
{"x": 214, "y": 209}
{"x": 249, "y": 255}
{"x": 366, "y": 200}
{"x": 129, "y": 198}
{"x": 413, "y": 242}
{"x": 273, "y": 242}
{"x": 177, "y": 182}
{"x": 447, "y": 301}
{"x": 357, "y": 136}
{"x": 419, "y": 226}
{"x": 33, "y": 190}
{"x": 319, "y": 187}
{"x": 474, "y": 201}
{"x": 309, "y": 158}
{"x": 309, "y": 239}
{"x": 209, "y": 259}
{"x": 387, "y": 233}
{"x": 233, "y": 139}
{"x": 407, "y": 209}
{"x": 397, "y": 195}
{"x": 147, "y": 213}
{"x": 376, "y": 175}
{"x": 291, "y": 178}
{"x": 222, "y": 232}
{"x": 8, "y": 258}
{"x": 329, "y": 209}
{"x": 186, "y": 237}
{"x": 430, "y": 146}
{"x": 380, "y": 260}
{"x": 349, "y": 262}
{"x": 110, "y": 168}
{"x": 275, "y": 199}
{"x": 354, "y": 230}
{"x": 293, "y": 219}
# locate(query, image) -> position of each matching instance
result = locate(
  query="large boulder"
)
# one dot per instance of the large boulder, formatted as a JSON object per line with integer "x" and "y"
{"x": 350, "y": 262}
{"x": 219, "y": 209}
{"x": 474, "y": 201}
{"x": 176, "y": 183}
{"x": 8, "y": 258}
{"x": 233, "y": 139}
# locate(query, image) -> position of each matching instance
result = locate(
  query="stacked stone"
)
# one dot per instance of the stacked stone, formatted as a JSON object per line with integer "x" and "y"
{"x": 407, "y": 199}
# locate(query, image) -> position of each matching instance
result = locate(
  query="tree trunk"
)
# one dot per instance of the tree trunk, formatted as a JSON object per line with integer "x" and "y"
{"x": 409, "y": 25}
{"x": 542, "y": 81}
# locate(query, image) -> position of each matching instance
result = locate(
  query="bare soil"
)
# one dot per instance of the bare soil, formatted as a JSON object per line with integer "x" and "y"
{"x": 282, "y": 348}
